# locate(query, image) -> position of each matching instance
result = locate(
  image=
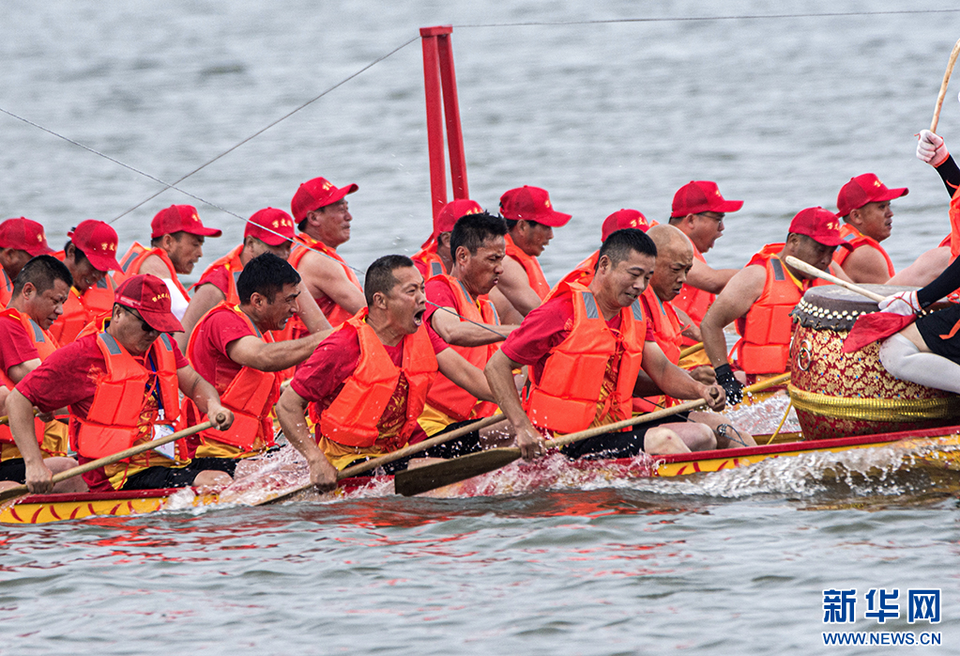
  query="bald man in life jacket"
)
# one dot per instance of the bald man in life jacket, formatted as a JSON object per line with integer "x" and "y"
{"x": 531, "y": 219}
{"x": 20, "y": 240}
{"x": 864, "y": 205}
{"x": 176, "y": 245}
{"x": 761, "y": 297}
{"x": 434, "y": 257}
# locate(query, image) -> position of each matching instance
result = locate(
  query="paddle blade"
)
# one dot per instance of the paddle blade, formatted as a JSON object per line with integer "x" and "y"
{"x": 430, "y": 477}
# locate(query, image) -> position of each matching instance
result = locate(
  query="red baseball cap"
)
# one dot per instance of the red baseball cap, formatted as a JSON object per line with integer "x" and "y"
{"x": 271, "y": 226}
{"x": 531, "y": 204}
{"x": 98, "y": 241}
{"x": 698, "y": 196}
{"x": 820, "y": 225}
{"x": 621, "y": 220}
{"x": 24, "y": 235}
{"x": 317, "y": 193}
{"x": 149, "y": 296}
{"x": 864, "y": 189}
{"x": 180, "y": 218}
{"x": 452, "y": 212}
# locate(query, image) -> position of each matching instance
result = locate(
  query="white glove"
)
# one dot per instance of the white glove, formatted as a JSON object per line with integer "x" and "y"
{"x": 931, "y": 149}
{"x": 904, "y": 303}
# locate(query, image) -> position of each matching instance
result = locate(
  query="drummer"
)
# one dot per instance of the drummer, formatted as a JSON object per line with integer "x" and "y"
{"x": 761, "y": 297}
{"x": 864, "y": 205}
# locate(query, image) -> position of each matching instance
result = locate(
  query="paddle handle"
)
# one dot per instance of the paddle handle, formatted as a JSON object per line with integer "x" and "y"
{"x": 943, "y": 86}
{"x": 814, "y": 271}
{"x": 690, "y": 350}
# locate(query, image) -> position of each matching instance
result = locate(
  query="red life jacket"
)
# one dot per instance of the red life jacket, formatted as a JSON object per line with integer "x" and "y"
{"x": 250, "y": 395}
{"x": 79, "y": 310}
{"x": 447, "y": 396}
{"x": 354, "y": 415}
{"x": 427, "y": 261}
{"x": 566, "y": 396}
{"x": 695, "y": 302}
{"x": 230, "y": 261}
{"x": 857, "y": 240}
{"x": 45, "y": 344}
{"x": 115, "y": 420}
{"x": 134, "y": 259}
{"x": 335, "y": 314}
{"x": 531, "y": 266}
{"x": 666, "y": 328}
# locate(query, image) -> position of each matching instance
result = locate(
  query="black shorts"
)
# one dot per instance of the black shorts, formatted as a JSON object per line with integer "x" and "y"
{"x": 626, "y": 444}
{"x": 461, "y": 446}
{"x": 226, "y": 465}
{"x": 941, "y": 322}
{"x": 159, "y": 478}
{"x": 13, "y": 470}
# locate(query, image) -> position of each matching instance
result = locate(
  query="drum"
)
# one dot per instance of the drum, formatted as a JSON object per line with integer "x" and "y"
{"x": 839, "y": 394}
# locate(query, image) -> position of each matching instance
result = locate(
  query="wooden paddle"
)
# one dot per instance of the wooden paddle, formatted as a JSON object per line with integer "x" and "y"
{"x": 943, "y": 86}
{"x": 814, "y": 271}
{"x": 373, "y": 463}
{"x": 690, "y": 350}
{"x": 424, "y": 479}
{"x": 116, "y": 457}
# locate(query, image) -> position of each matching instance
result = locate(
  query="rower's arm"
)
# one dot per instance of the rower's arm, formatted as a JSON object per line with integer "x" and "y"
{"x": 499, "y": 373}
{"x": 455, "y": 367}
{"x": 515, "y": 286}
{"x": 446, "y": 322}
{"x": 733, "y": 302}
{"x": 251, "y": 351}
{"x": 155, "y": 267}
{"x": 866, "y": 265}
{"x": 310, "y": 313}
{"x": 676, "y": 382}
{"x": 323, "y": 275}
{"x": 703, "y": 276}
{"x": 690, "y": 328}
{"x": 204, "y": 299}
{"x": 291, "y": 410}
{"x": 20, "y": 412}
{"x": 205, "y": 396}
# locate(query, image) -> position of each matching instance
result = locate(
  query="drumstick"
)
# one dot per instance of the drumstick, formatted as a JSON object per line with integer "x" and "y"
{"x": 814, "y": 271}
{"x": 943, "y": 86}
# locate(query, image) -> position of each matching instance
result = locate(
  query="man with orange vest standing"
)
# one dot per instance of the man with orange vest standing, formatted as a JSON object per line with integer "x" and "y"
{"x": 323, "y": 218}
{"x": 232, "y": 349}
{"x": 586, "y": 346}
{"x": 864, "y": 205}
{"x": 119, "y": 385}
{"x": 531, "y": 219}
{"x": 90, "y": 255}
{"x": 268, "y": 231}
{"x": 761, "y": 297}
{"x": 460, "y": 312}
{"x": 20, "y": 239}
{"x": 176, "y": 244}
{"x": 367, "y": 382}
{"x": 434, "y": 257}
{"x": 41, "y": 288}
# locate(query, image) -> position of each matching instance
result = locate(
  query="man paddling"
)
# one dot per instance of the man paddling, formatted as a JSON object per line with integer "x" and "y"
{"x": 864, "y": 205}
{"x": 586, "y": 346}
{"x": 232, "y": 349}
{"x": 531, "y": 219}
{"x": 119, "y": 385}
{"x": 761, "y": 297}
{"x": 90, "y": 255}
{"x": 434, "y": 257}
{"x": 176, "y": 245}
{"x": 42, "y": 287}
{"x": 267, "y": 231}
{"x": 367, "y": 382}
{"x": 20, "y": 240}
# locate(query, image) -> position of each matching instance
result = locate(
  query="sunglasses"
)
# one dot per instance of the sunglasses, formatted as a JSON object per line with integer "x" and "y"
{"x": 143, "y": 324}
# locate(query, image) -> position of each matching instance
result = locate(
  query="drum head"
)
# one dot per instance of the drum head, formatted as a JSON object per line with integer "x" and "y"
{"x": 832, "y": 307}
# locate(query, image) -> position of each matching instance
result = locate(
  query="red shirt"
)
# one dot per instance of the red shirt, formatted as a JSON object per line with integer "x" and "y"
{"x": 438, "y": 294}
{"x": 219, "y": 278}
{"x": 16, "y": 347}
{"x": 545, "y": 328}
{"x": 213, "y": 335}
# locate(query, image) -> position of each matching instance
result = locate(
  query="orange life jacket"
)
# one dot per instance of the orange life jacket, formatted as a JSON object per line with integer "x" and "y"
{"x": 115, "y": 419}
{"x": 445, "y": 395}
{"x": 45, "y": 344}
{"x": 79, "y": 310}
{"x": 695, "y": 302}
{"x": 531, "y": 266}
{"x": 666, "y": 328}
{"x": 353, "y": 417}
{"x": 335, "y": 314}
{"x": 582, "y": 274}
{"x": 250, "y": 395}
{"x": 856, "y": 239}
{"x": 134, "y": 259}
{"x": 566, "y": 396}
{"x": 6, "y": 288}
{"x": 428, "y": 262}
{"x": 764, "y": 347}
{"x": 230, "y": 261}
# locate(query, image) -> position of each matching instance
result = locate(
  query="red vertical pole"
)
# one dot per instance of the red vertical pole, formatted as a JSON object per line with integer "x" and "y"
{"x": 451, "y": 106}
{"x": 432, "y": 90}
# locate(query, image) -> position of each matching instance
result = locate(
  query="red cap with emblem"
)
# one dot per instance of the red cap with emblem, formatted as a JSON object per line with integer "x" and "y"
{"x": 621, "y": 220}
{"x": 317, "y": 193}
{"x": 699, "y": 196}
{"x": 149, "y": 296}
{"x": 864, "y": 189}
{"x": 98, "y": 241}
{"x": 271, "y": 226}
{"x": 23, "y": 234}
{"x": 180, "y": 218}
{"x": 531, "y": 204}
{"x": 820, "y": 225}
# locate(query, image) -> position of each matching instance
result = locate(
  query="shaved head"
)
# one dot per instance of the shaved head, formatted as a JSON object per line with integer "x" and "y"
{"x": 674, "y": 259}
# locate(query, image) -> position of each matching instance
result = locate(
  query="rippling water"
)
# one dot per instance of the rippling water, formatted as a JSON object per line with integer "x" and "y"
{"x": 781, "y": 112}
